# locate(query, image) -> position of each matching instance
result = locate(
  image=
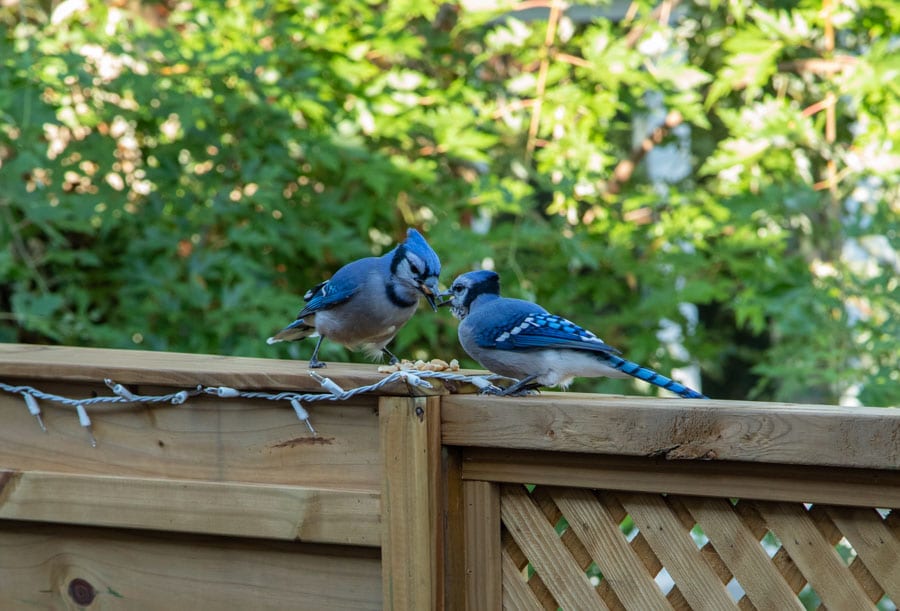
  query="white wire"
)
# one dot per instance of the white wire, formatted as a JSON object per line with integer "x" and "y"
{"x": 412, "y": 378}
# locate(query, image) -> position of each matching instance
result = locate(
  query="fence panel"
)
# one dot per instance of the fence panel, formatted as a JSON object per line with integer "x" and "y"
{"x": 651, "y": 551}
{"x": 211, "y": 503}
{"x": 56, "y": 566}
{"x": 561, "y": 500}
{"x": 612, "y": 491}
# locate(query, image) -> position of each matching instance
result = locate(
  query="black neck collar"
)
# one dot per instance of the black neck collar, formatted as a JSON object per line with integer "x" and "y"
{"x": 396, "y": 299}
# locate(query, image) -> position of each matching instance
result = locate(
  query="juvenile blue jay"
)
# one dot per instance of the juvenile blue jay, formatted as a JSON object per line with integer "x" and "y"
{"x": 521, "y": 340}
{"x": 367, "y": 301}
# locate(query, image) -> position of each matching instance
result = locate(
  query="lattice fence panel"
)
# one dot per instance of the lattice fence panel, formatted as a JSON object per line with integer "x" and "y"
{"x": 574, "y": 548}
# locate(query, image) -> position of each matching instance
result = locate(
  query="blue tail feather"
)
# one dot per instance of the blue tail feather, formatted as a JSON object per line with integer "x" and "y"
{"x": 650, "y": 376}
{"x": 297, "y": 330}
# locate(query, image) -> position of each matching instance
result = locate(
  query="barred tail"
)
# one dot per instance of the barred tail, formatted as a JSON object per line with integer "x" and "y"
{"x": 299, "y": 329}
{"x": 648, "y": 375}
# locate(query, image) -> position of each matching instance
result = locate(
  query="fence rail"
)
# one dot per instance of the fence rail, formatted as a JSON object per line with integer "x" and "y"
{"x": 411, "y": 498}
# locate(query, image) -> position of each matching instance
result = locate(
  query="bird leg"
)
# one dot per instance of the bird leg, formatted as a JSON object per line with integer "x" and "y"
{"x": 314, "y": 362}
{"x": 393, "y": 359}
{"x": 521, "y": 387}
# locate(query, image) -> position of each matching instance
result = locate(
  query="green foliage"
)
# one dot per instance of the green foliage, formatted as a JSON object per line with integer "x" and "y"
{"x": 174, "y": 176}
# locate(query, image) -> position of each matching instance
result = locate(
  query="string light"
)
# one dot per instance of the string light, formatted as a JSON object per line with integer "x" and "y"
{"x": 35, "y": 410}
{"x": 121, "y": 394}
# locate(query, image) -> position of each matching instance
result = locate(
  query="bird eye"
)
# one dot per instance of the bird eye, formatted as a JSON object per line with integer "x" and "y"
{"x": 415, "y": 269}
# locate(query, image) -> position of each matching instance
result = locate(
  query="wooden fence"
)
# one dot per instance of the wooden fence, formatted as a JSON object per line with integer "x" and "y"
{"x": 450, "y": 500}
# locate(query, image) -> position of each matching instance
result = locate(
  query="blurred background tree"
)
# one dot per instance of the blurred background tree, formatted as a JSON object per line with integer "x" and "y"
{"x": 708, "y": 183}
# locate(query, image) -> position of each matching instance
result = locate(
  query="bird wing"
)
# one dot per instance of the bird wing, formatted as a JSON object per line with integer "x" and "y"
{"x": 544, "y": 331}
{"x": 327, "y": 295}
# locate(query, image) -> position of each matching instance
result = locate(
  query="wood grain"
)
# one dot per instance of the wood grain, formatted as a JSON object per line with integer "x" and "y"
{"x": 742, "y": 553}
{"x": 249, "y": 510}
{"x": 641, "y": 547}
{"x": 482, "y": 544}
{"x": 412, "y": 508}
{"x": 138, "y": 570}
{"x": 675, "y": 547}
{"x": 516, "y": 593}
{"x": 513, "y": 553}
{"x": 746, "y": 510}
{"x": 600, "y": 534}
{"x": 454, "y": 530}
{"x": 184, "y": 370}
{"x": 215, "y": 440}
{"x": 540, "y": 495}
{"x": 678, "y": 429}
{"x": 814, "y": 555}
{"x": 822, "y": 518}
{"x": 567, "y": 582}
{"x": 875, "y": 545}
{"x": 171, "y": 368}
{"x": 836, "y": 486}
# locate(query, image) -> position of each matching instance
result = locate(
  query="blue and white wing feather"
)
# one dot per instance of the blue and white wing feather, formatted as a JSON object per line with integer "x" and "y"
{"x": 328, "y": 294}
{"x": 540, "y": 330}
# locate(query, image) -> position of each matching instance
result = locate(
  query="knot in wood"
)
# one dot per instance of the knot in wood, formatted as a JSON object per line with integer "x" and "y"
{"x": 81, "y": 592}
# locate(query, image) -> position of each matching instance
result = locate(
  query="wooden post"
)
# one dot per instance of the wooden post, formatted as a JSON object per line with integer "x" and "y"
{"x": 454, "y": 529}
{"x": 412, "y": 552}
{"x": 483, "y": 553}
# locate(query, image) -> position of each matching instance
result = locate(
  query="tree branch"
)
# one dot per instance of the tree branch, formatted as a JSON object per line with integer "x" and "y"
{"x": 625, "y": 168}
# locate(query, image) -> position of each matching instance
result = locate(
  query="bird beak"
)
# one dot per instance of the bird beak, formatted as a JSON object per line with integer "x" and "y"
{"x": 444, "y": 299}
{"x": 429, "y": 288}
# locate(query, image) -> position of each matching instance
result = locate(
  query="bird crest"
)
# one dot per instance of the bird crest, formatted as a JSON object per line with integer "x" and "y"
{"x": 417, "y": 245}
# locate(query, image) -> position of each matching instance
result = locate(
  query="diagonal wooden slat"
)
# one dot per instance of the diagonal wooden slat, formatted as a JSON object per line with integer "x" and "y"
{"x": 753, "y": 522}
{"x": 509, "y": 546}
{"x": 529, "y": 528}
{"x": 676, "y": 549}
{"x": 833, "y": 534}
{"x": 874, "y": 543}
{"x": 814, "y": 555}
{"x": 535, "y": 583}
{"x": 639, "y": 542}
{"x": 609, "y": 596}
{"x": 743, "y": 554}
{"x": 707, "y": 551}
{"x": 547, "y": 505}
{"x": 642, "y": 548}
{"x": 825, "y": 524}
{"x": 782, "y": 560}
{"x": 545, "y": 502}
{"x": 600, "y": 534}
{"x": 516, "y": 593}
{"x": 871, "y": 587}
{"x": 744, "y": 604}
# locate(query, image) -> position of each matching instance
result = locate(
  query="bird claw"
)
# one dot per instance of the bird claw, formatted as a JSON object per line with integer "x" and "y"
{"x": 316, "y": 364}
{"x": 392, "y": 358}
{"x": 524, "y": 387}
{"x": 527, "y": 391}
{"x": 514, "y": 390}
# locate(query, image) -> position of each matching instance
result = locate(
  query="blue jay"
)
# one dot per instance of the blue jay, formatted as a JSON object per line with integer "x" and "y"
{"x": 521, "y": 340}
{"x": 367, "y": 301}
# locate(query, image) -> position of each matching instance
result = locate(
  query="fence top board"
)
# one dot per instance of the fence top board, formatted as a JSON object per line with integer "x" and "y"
{"x": 187, "y": 370}
{"x": 677, "y": 429}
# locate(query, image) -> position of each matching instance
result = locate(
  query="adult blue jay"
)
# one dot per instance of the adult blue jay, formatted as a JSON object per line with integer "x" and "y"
{"x": 521, "y": 340}
{"x": 367, "y": 301}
